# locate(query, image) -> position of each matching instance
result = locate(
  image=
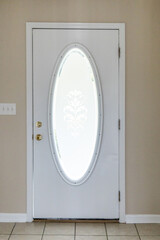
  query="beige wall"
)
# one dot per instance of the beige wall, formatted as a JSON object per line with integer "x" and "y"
{"x": 142, "y": 18}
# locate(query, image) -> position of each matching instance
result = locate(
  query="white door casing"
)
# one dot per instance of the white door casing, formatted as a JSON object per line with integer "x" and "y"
{"x": 44, "y": 42}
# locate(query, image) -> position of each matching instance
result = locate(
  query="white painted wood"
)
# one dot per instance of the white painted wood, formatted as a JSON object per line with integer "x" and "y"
{"x": 48, "y": 25}
{"x": 98, "y": 196}
{"x": 144, "y": 218}
{"x": 29, "y": 110}
{"x": 13, "y": 217}
{"x": 122, "y": 120}
{"x": 121, "y": 28}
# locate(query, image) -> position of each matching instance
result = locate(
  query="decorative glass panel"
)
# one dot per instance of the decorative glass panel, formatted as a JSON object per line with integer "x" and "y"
{"x": 75, "y": 114}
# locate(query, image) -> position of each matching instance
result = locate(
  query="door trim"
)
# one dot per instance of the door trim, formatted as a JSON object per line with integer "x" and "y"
{"x": 29, "y": 108}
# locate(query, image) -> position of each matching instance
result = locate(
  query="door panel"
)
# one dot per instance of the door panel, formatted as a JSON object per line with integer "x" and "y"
{"x": 97, "y": 197}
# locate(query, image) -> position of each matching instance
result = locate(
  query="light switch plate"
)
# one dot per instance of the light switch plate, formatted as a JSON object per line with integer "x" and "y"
{"x": 7, "y": 108}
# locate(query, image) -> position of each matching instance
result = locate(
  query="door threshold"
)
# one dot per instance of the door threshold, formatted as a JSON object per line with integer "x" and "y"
{"x": 77, "y": 220}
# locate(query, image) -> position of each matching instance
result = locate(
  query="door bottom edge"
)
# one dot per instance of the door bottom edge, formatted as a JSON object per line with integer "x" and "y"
{"x": 76, "y": 220}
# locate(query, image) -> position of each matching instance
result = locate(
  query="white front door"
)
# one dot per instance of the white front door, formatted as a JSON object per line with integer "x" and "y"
{"x": 75, "y": 90}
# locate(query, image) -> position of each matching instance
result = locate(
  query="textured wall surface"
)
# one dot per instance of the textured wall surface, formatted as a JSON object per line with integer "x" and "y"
{"x": 142, "y": 20}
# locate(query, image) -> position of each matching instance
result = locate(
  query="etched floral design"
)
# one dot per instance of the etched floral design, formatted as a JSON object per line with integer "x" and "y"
{"x": 75, "y": 112}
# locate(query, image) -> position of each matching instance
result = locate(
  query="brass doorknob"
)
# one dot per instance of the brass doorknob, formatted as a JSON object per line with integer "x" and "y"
{"x": 38, "y": 124}
{"x": 39, "y": 137}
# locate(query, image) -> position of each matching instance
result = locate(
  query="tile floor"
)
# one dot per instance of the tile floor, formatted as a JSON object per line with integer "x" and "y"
{"x": 78, "y": 231}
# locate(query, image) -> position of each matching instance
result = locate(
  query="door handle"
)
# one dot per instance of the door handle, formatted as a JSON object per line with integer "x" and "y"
{"x": 39, "y": 137}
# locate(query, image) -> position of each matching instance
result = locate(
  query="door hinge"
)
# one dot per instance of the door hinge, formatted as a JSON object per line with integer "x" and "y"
{"x": 119, "y": 124}
{"x": 32, "y": 136}
{"x": 119, "y": 52}
{"x": 119, "y": 196}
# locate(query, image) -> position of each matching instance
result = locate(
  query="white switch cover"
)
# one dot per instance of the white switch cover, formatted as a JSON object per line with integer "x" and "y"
{"x": 7, "y": 108}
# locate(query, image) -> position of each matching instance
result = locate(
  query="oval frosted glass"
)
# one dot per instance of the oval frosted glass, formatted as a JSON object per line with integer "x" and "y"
{"x": 75, "y": 115}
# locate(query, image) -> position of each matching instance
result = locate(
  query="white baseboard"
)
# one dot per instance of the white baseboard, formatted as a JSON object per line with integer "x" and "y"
{"x": 22, "y": 217}
{"x": 145, "y": 218}
{"x": 13, "y": 217}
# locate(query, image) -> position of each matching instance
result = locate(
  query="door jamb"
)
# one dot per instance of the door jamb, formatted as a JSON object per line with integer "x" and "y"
{"x": 29, "y": 109}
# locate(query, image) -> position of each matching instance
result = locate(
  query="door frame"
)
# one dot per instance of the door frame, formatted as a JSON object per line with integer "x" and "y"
{"x": 29, "y": 101}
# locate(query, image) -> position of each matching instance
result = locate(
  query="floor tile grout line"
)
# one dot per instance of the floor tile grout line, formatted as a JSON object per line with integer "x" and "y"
{"x": 105, "y": 226}
{"x": 30, "y": 234}
{"x": 46, "y": 234}
{"x": 5, "y": 234}
{"x": 74, "y": 231}
{"x": 43, "y": 230}
{"x": 11, "y": 231}
{"x": 68, "y": 235}
{"x": 137, "y": 231}
{"x": 62, "y": 235}
{"x": 120, "y": 235}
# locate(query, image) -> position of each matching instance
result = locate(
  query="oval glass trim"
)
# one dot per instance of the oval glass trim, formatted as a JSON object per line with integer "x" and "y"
{"x": 95, "y": 154}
